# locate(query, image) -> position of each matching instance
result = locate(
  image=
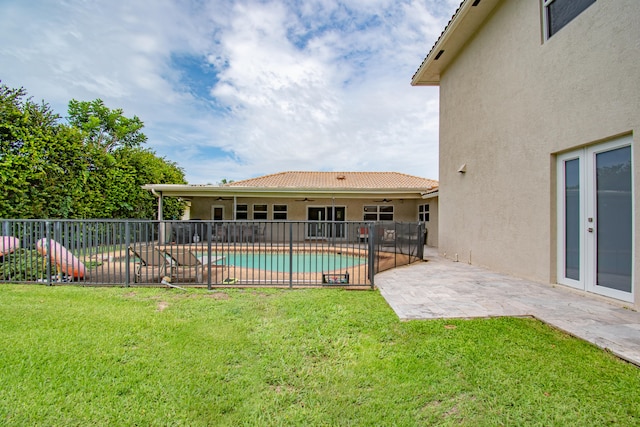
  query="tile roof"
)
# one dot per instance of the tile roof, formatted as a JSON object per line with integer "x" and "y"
{"x": 339, "y": 180}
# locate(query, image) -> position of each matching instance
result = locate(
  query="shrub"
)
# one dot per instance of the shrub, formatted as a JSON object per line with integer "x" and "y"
{"x": 22, "y": 265}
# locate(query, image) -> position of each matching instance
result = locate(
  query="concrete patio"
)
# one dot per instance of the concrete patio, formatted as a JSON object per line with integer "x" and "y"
{"x": 441, "y": 289}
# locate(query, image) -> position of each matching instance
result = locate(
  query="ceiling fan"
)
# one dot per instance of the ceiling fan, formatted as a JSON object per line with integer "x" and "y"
{"x": 383, "y": 201}
{"x": 306, "y": 199}
{"x": 219, "y": 199}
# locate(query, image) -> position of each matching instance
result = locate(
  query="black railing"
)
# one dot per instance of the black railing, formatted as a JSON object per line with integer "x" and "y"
{"x": 205, "y": 253}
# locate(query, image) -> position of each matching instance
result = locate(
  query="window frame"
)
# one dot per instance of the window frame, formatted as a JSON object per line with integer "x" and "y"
{"x": 545, "y": 8}
{"x": 379, "y": 212}
{"x": 213, "y": 209}
{"x": 260, "y": 211}
{"x": 280, "y": 214}
{"x": 242, "y": 212}
{"x": 423, "y": 212}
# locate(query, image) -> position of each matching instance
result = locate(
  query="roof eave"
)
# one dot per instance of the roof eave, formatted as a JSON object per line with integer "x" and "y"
{"x": 461, "y": 28}
{"x": 187, "y": 191}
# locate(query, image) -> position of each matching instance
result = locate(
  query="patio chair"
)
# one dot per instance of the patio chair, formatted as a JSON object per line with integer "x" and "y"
{"x": 388, "y": 237}
{"x": 187, "y": 263}
{"x": 150, "y": 258}
{"x": 259, "y": 232}
{"x": 363, "y": 234}
{"x": 219, "y": 233}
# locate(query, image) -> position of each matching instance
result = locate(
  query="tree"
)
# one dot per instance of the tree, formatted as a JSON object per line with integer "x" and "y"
{"x": 104, "y": 127}
{"x": 149, "y": 168}
{"x": 89, "y": 168}
{"x": 30, "y": 142}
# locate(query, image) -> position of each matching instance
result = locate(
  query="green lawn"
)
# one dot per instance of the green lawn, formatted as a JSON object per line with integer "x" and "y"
{"x": 115, "y": 356}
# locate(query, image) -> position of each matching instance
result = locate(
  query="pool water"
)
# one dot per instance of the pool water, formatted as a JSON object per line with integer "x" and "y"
{"x": 303, "y": 262}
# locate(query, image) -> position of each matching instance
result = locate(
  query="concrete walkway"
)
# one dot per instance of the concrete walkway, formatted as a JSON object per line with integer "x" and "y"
{"x": 441, "y": 288}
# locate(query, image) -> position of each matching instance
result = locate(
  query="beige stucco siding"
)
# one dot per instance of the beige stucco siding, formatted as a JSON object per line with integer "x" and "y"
{"x": 509, "y": 103}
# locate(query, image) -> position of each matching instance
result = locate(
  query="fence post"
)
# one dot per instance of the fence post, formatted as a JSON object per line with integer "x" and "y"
{"x": 47, "y": 233}
{"x": 209, "y": 255}
{"x": 372, "y": 253}
{"x": 127, "y": 243}
{"x": 421, "y": 240}
{"x": 291, "y": 255}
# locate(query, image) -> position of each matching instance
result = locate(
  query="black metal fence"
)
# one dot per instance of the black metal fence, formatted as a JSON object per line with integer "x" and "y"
{"x": 205, "y": 253}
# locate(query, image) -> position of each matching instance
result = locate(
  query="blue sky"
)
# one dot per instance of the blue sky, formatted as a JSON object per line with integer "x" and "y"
{"x": 238, "y": 89}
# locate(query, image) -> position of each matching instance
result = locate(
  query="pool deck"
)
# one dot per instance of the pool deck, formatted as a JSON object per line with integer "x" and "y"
{"x": 443, "y": 289}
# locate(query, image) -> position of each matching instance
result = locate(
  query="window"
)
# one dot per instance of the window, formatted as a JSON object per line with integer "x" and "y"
{"x": 259, "y": 211}
{"x": 280, "y": 212}
{"x": 378, "y": 213}
{"x": 558, "y": 13}
{"x": 241, "y": 212}
{"x": 386, "y": 213}
{"x": 423, "y": 213}
{"x": 217, "y": 213}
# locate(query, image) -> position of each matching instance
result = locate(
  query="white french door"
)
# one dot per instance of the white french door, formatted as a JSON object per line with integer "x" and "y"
{"x": 595, "y": 219}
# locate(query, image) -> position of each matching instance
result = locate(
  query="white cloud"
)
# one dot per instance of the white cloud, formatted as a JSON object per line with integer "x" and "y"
{"x": 287, "y": 85}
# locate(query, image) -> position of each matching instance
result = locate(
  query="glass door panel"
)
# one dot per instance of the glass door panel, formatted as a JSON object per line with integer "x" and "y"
{"x": 337, "y": 229}
{"x": 572, "y": 219}
{"x": 316, "y": 231}
{"x": 614, "y": 223}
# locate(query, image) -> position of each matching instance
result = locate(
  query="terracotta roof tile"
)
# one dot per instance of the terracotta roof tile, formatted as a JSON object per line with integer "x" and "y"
{"x": 339, "y": 180}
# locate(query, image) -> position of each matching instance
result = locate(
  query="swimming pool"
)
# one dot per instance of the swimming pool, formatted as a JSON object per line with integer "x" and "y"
{"x": 296, "y": 262}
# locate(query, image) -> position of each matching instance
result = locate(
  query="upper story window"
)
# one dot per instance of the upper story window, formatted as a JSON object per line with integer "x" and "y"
{"x": 378, "y": 213}
{"x": 259, "y": 211}
{"x": 280, "y": 212}
{"x": 558, "y": 13}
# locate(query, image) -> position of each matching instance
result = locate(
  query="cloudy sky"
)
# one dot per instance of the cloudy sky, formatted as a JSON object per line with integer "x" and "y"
{"x": 237, "y": 89}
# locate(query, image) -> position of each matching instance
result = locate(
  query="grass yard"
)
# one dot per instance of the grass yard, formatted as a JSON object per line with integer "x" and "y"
{"x": 115, "y": 356}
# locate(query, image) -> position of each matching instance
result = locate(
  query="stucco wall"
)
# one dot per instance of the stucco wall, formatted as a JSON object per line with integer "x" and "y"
{"x": 508, "y": 103}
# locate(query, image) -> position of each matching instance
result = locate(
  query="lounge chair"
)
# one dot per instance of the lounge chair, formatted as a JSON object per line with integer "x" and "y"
{"x": 187, "y": 263}
{"x": 151, "y": 259}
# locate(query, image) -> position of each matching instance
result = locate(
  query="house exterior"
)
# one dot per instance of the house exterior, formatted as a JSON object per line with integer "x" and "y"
{"x": 313, "y": 196}
{"x": 539, "y": 122}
